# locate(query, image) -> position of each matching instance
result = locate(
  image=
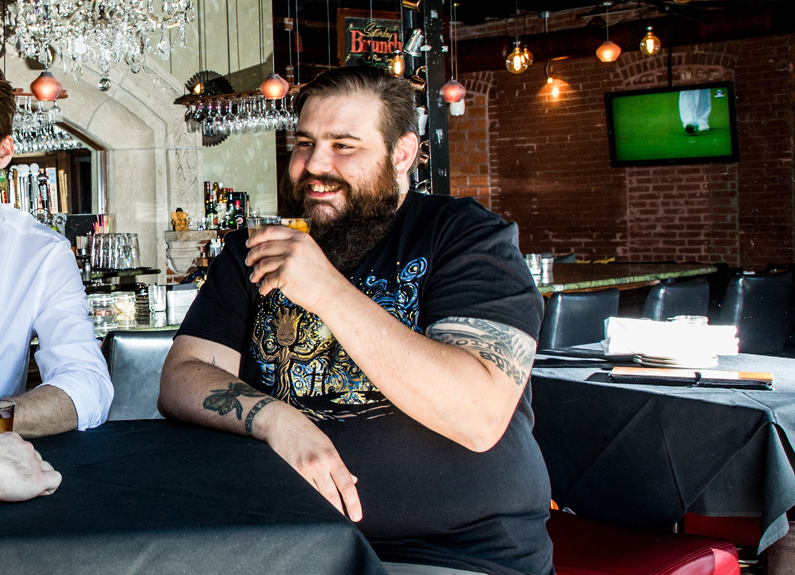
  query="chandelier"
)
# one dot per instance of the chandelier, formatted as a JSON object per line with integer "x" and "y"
{"x": 99, "y": 32}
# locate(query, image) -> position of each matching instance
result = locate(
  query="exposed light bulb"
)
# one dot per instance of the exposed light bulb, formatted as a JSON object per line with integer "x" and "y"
{"x": 555, "y": 91}
{"x": 528, "y": 56}
{"x": 396, "y": 64}
{"x": 549, "y": 80}
{"x": 650, "y": 44}
{"x": 608, "y": 52}
{"x": 516, "y": 61}
{"x": 198, "y": 89}
{"x": 452, "y": 92}
{"x": 275, "y": 87}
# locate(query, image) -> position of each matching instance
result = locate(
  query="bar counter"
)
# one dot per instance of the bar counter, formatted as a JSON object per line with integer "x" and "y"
{"x": 589, "y": 277}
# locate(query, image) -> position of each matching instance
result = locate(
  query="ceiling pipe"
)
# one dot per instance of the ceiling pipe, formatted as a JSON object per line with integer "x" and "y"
{"x": 484, "y": 54}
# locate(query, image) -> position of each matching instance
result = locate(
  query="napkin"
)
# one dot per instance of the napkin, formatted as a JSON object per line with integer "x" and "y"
{"x": 624, "y": 336}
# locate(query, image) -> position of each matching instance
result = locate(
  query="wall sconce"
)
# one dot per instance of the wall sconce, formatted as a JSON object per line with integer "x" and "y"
{"x": 650, "y": 44}
{"x": 554, "y": 89}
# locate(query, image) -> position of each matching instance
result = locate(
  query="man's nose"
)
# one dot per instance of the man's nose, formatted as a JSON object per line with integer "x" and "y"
{"x": 319, "y": 162}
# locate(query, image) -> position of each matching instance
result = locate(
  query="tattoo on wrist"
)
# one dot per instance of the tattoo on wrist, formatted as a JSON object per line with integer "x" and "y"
{"x": 254, "y": 411}
{"x": 508, "y": 348}
{"x": 225, "y": 400}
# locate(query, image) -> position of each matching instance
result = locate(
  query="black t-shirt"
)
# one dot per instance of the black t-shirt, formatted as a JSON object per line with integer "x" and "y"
{"x": 424, "y": 498}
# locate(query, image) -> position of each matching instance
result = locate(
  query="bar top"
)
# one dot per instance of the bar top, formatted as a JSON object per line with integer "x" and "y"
{"x": 568, "y": 277}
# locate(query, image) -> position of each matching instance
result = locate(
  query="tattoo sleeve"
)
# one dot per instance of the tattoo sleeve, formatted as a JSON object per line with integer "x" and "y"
{"x": 510, "y": 349}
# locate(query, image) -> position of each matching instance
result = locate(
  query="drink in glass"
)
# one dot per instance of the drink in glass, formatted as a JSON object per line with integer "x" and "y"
{"x": 6, "y": 415}
{"x": 300, "y": 224}
{"x": 256, "y": 222}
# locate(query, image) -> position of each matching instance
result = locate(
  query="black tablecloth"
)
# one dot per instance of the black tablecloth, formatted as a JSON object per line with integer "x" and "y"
{"x": 157, "y": 497}
{"x": 642, "y": 455}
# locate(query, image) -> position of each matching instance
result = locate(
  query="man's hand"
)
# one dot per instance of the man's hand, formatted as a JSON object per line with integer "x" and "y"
{"x": 310, "y": 452}
{"x": 291, "y": 261}
{"x": 23, "y": 473}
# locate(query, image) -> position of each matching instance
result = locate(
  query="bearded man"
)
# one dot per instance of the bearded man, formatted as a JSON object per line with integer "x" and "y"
{"x": 385, "y": 356}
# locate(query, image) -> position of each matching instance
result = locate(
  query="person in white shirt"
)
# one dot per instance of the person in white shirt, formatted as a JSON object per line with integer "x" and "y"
{"x": 42, "y": 295}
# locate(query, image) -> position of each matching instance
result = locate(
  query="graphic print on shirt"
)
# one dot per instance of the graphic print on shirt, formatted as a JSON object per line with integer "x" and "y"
{"x": 302, "y": 363}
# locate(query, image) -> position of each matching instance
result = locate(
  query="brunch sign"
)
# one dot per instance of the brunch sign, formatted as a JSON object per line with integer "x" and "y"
{"x": 368, "y": 40}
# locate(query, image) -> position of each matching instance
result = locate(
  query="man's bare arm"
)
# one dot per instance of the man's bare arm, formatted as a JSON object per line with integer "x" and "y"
{"x": 44, "y": 410}
{"x": 199, "y": 385}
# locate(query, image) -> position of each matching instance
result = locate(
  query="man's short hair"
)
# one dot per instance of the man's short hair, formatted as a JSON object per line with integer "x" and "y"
{"x": 398, "y": 109}
{"x": 7, "y": 107}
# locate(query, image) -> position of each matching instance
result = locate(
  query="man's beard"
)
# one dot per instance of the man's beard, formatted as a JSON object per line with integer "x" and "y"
{"x": 367, "y": 216}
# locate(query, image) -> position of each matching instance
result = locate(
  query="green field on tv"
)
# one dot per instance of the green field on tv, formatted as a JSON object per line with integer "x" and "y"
{"x": 648, "y": 127}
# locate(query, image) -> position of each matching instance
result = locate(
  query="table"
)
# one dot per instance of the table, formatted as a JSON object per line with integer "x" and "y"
{"x": 642, "y": 455}
{"x": 587, "y": 277}
{"x": 157, "y": 497}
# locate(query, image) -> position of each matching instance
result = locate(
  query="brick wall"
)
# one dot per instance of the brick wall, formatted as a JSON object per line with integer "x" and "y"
{"x": 548, "y": 161}
{"x": 469, "y": 137}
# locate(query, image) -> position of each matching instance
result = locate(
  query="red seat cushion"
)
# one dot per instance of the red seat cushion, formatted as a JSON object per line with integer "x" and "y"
{"x": 585, "y": 547}
{"x": 738, "y": 530}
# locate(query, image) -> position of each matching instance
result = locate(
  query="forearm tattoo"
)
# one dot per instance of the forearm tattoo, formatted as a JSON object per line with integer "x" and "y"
{"x": 225, "y": 400}
{"x": 254, "y": 411}
{"x": 510, "y": 349}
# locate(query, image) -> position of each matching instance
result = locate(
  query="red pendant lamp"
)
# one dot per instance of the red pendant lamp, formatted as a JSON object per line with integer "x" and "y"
{"x": 452, "y": 92}
{"x": 46, "y": 87}
{"x": 275, "y": 87}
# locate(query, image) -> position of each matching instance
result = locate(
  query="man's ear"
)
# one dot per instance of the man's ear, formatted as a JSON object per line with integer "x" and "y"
{"x": 405, "y": 153}
{"x": 6, "y": 151}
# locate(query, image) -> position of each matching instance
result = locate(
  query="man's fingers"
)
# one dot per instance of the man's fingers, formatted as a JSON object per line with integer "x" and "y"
{"x": 345, "y": 484}
{"x": 51, "y": 481}
{"x": 325, "y": 485}
{"x": 45, "y": 465}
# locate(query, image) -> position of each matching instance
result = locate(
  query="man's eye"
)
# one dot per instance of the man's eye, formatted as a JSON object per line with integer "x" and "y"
{"x": 305, "y": 144}
{"x": 343, "y": 147}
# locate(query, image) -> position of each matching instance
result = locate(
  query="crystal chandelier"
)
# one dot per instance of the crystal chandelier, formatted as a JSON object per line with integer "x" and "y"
{"x": 99, "y": 32}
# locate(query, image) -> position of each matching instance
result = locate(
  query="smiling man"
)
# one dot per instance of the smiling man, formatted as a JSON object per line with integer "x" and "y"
{"x": 386, "y": 356}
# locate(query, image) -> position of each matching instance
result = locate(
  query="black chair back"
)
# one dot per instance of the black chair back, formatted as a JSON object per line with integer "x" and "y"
{"x": 671, "y": 299}
{"x": 760, "y": 306}
{"x": 135, "y": 360}
{"x": 576, "y": 318}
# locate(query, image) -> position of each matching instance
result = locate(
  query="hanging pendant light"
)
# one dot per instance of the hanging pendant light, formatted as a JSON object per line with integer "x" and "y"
{"x": 452, "y": 92}
{"x": 46, "y": 87}
{"x": 517, "y": 60}
{"x": 650, "y": 44}
{"x": 275, "y": 87}
{"x": 608, "y": 52}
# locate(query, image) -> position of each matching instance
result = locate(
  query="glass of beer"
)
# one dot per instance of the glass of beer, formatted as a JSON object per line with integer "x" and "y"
{"x": 300, "y": 224}
{"x": 6, "y": 415}
{"x": 256, "y": 222}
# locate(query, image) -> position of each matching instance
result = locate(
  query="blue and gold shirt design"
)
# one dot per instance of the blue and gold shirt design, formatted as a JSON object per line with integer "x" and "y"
{"x": 302, "y": 363}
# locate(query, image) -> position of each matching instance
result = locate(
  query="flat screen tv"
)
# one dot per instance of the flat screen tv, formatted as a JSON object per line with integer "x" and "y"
{"x": 693, "y": 124}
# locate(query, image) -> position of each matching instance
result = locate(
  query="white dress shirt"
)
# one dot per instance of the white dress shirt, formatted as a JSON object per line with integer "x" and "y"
{"x": 42, "y": 295}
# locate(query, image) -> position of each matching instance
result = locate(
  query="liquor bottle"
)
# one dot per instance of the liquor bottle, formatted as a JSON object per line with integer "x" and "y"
{"x": 207, "y": 195}
{"x": 237, "y": 217}
{"x": 212, "y": 215}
